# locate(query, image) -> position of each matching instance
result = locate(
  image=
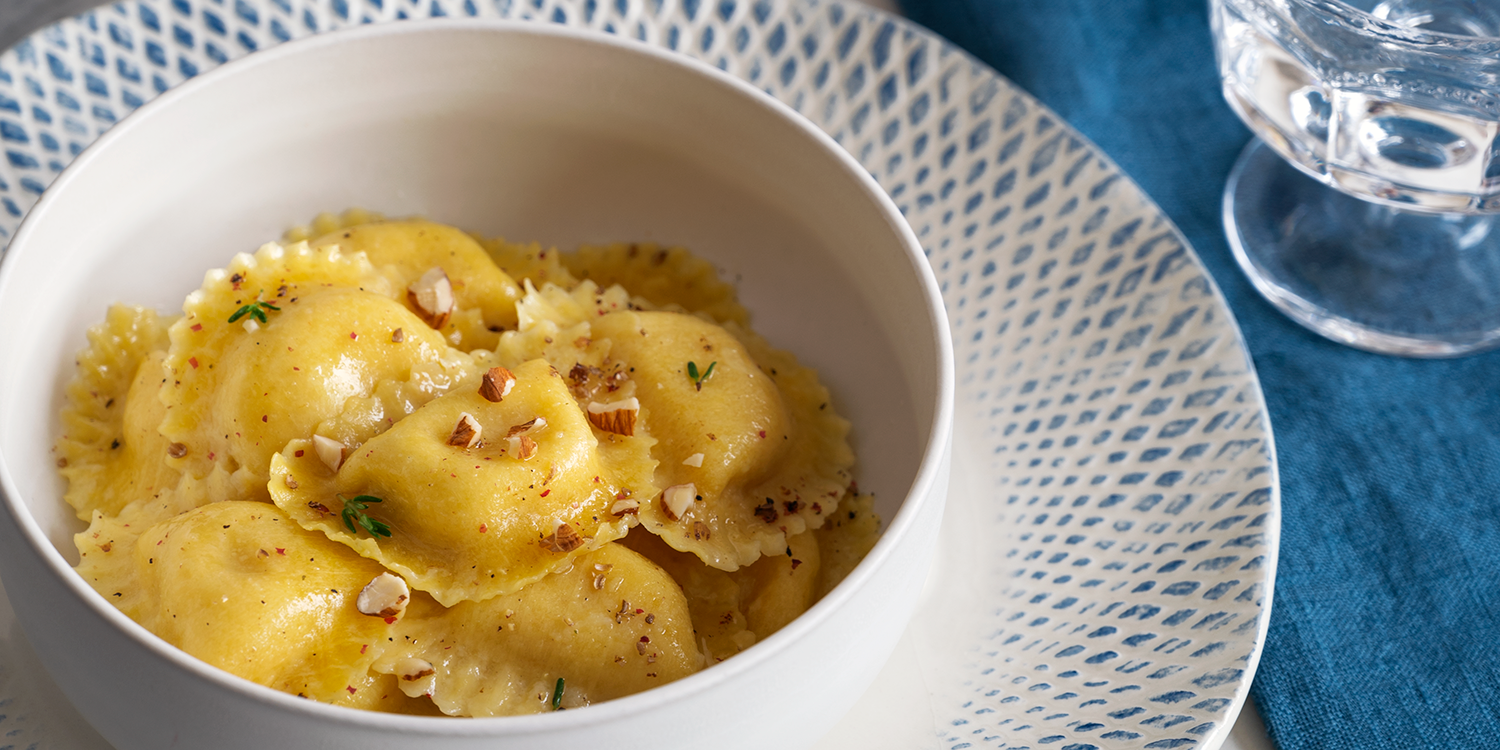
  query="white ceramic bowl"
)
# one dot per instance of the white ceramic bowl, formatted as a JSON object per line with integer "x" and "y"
{"x": 525, "y": 131}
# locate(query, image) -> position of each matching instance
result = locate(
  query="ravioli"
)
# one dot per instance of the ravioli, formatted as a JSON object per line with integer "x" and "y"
{"x": 778, "y": 588}
{"x": 242, "y": 587}
{"x": 733, "y": 611}
{"x": 580, "y": 474}
{"x": 106, "y": 560}
{"x": 612, "y": 625}
{"x": 470, "y": 523}
{"x": 110, "y": 451}
{"x": 484, "y": 296}
{"x": 771, "y": 462}
{"x": 845, "y": 539}
{"x": 242, "y": 395}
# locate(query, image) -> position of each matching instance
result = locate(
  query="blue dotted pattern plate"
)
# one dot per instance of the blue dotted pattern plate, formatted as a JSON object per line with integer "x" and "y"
{"x": 1111, "y": 543}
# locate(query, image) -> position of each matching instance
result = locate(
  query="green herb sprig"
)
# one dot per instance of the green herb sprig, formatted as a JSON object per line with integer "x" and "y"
{"x": 354, "y": 513}
{"x": 256, "y": 309}
{"x": 557, "y": 695}
{"x": 697, "y": 379}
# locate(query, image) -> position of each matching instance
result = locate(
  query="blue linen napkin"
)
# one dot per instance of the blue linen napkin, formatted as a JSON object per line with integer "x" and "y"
{"x": 1385, "y": 625}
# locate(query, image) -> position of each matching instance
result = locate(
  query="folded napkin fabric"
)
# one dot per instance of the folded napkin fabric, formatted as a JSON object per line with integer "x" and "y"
{"x": 1385, "y": 624}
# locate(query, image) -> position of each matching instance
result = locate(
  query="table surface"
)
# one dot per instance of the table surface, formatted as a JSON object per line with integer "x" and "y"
{"x": 18, "y": 18}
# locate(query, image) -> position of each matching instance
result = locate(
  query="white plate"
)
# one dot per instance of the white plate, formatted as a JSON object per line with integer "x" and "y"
{"x": 1111, "y": 541}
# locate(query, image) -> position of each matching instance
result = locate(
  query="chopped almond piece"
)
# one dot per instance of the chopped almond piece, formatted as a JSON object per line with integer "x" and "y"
{"x": 521, "y": 447}
{"x": 384, "y": 596}
{"x": 625, "y": 507}
{"x": 695, "y": 460}
{"x": 432, "y": 295}
{"x": 535, "y": 424}
{"x": 676, "y": 500}
{"x": 412, "y": 669}
{"x": 563, "y": 538}
{"x": 466, "y": 433}
{"x": 496, "y": 384}
{"x": 330, "y": 450}
{"x": 617, "y": 417}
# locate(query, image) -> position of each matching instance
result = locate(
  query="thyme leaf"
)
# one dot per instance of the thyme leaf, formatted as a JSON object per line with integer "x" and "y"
{"x": 354, "y": 513}
{"x": 557, "y": 693}
{"x": 256, "y": 309}
{"x": 698, "y": 379}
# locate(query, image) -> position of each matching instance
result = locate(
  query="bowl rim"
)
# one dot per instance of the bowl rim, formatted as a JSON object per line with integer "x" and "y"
{"x": 927, "y": 483}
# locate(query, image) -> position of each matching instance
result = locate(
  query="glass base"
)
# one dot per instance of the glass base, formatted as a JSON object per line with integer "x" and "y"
{"x": 1375, "y": 278}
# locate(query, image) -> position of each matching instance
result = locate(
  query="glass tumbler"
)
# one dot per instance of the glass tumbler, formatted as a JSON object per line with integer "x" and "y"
{"x": 1368, "y": 209}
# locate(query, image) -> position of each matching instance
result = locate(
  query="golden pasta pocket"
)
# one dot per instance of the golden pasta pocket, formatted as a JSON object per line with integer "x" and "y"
{"x": 242, "y": 587}
{"x": 442, "y": 274}
{"x": 407, "y": 469}
{"x": 733, "y": 611}
{"x": 476, "y": 494}
{"x": 611, "y": 625}
{"x": 110, "y": 450}
{"x": 845, "y": 539}
{"x": 243, "y": 385}
{"x": 748, "y": 452}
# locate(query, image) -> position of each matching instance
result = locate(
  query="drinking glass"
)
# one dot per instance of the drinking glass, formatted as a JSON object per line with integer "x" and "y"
{"x": 1367, "y": 208}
